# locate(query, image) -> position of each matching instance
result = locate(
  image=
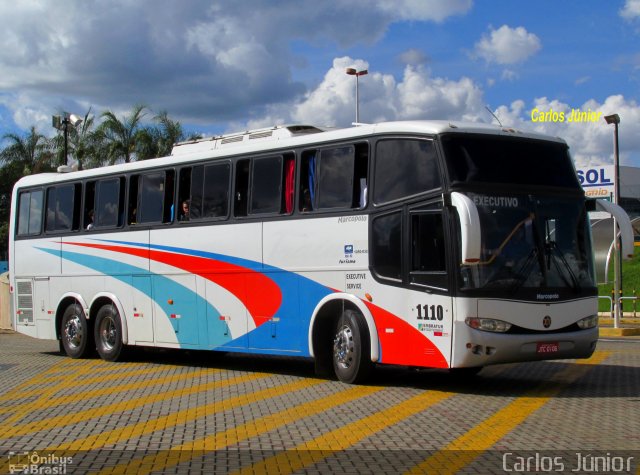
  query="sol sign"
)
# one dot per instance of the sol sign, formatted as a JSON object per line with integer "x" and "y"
{"x": 598, "y": 182}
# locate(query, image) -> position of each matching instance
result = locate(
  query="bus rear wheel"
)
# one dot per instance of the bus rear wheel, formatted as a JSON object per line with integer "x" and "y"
{"x": 108, "y": 333}
{"x": 74, "y": 332}
{"x": 351, "y": 348}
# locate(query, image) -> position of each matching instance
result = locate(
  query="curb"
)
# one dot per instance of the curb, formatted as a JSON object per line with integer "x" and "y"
{"x": 619, "y": 332}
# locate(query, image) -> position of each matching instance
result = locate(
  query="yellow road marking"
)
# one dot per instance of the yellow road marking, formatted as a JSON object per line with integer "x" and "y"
{"x": 339, "y": 439}
{"x": 472, "y": 443}
{"x": 93, "y": 393}
{"x": 43, "y": 399}
{"x": 180, "y": 417}
{"x": 17, "y": 391}
{"x": 185, "y": 452}
{"x": 8, "y": 431}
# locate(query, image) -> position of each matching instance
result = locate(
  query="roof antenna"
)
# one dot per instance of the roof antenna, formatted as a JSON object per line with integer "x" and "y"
{"x": 494, "y": 116}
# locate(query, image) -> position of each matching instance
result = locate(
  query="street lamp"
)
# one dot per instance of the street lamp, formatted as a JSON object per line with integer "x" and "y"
{"x": 354, "y": 72}
{"x": 617, "y": 280}
{"x": 63, "y": 123}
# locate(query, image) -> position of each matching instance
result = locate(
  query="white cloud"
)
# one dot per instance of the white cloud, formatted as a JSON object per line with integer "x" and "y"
{"x": 582, "y": 80}
{"x": 202, "y": 61}
{"x": 631, "y": 10}
{"x": 413, "y": 56}
{"x": 509, "y": 75}
{"x": 435, "y": 10}
{"x": 419, "y": 95}
{"x": 382, "y": 98}
{"x": 507, "y": 45}
{"x": 591, "y": 142}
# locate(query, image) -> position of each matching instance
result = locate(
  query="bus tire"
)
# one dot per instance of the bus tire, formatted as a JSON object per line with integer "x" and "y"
{"x": 75, "y": 338}
{"x": 351, "y": 348}
{"x": 108, "y": 333}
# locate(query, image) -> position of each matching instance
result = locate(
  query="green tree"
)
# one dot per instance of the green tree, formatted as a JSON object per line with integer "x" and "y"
{"x": 24, "y": 155}
{"x": 120, "y": 135}
{"x": 158, "y": 140}
{"x": 33, "y": 152}
{"x": 171, "y": 133}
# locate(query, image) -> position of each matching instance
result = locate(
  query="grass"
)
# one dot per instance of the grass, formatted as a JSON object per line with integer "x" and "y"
{"x": 630, "y": 284}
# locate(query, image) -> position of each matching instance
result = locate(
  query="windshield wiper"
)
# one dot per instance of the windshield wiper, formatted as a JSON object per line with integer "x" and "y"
{"x": 525, "y": 270}
{"x": 553, "y": 246}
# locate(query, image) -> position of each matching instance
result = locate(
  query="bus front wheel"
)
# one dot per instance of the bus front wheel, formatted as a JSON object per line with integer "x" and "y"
{"x": 74, "y": 332}
{"x": 108, "y": 333}
{"x": 351, "y": 359}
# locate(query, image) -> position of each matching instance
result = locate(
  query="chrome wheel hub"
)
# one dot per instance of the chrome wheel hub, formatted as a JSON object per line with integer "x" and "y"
{"x": 73, "y": 333}
{"x": 108, "y": 333}
{"x": 343, "y": 347}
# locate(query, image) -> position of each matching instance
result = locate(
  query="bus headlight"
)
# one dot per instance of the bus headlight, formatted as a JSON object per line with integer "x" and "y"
{"x": 488, "y": 324}
{"x": 588, "y": 322}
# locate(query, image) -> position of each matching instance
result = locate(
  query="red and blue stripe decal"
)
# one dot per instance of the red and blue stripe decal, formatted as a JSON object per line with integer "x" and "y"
{"x": 268, "y": 293}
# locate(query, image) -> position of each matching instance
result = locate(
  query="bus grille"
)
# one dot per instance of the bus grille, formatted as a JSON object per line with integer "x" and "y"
{"x": 25, "y": 301}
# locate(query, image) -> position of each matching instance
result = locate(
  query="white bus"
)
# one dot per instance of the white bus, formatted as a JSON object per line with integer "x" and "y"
{"x": 425, "y": 244}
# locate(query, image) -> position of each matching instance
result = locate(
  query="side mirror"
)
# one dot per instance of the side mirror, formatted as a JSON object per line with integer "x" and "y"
{"x": 469, "y": 228}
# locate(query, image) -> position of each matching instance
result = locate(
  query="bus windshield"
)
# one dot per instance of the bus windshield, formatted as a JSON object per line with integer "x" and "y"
{"x": 508, "y": 160}
{"x": 531, "y": 243}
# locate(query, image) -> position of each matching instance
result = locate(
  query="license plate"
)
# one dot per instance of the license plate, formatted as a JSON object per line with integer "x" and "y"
{"x": 550, "y": 347}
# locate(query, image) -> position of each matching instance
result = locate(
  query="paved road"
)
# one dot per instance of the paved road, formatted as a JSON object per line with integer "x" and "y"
{"x": 192, "y": 412}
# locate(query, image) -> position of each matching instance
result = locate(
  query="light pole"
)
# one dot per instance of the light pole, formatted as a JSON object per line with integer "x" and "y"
{"x": 62, "y": 123}
{"x": 354, "y": 72}
{"x": 617, "y": 280}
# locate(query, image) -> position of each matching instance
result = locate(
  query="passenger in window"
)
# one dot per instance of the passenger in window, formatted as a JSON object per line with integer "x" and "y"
{"x": 90, "y": 218}
{"x": 306, "y": 200}
{"x": 185, "y": 214}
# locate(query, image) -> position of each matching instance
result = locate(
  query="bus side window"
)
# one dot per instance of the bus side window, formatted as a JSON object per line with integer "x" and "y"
{"x": 151, "y": 197}
{"x": 215, "y": 198}
{"x": 428, "y": 263}
{"x": 404, "y": 168}
{"x": 307, "y": 188}
{"x": 361, "y": 168}
{"x": 169, "y": 188}
{"x": 184, "y": 194}
{"x": 289, "y": 180}
{"x": 241, "y": 189}
{"x": 109, "y": 202}
{"x": 63, "y": 208}
{"x": 335, "y": 177}
{"x": 132, "y": 207}
{"x": 30, "y": 213}
{"x": 266, "y": 186}
{"x": 386, "y": 249}
{"x": 89, "y": 205}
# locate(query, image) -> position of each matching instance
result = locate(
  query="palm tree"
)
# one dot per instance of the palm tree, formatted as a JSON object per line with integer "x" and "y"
{"x": 170, "y": 133}
{"x": 120, "y": 135}
{"x": 158, "y": 141}
{"x": 33, "y": 151}
{"x": 86, "y": 143}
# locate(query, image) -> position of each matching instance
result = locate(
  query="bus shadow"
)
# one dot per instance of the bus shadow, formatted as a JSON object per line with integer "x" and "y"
{"x": 533, "y": 379}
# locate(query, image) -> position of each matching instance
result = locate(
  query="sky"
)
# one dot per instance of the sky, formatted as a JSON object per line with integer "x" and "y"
{"x": 221, "y": 66}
